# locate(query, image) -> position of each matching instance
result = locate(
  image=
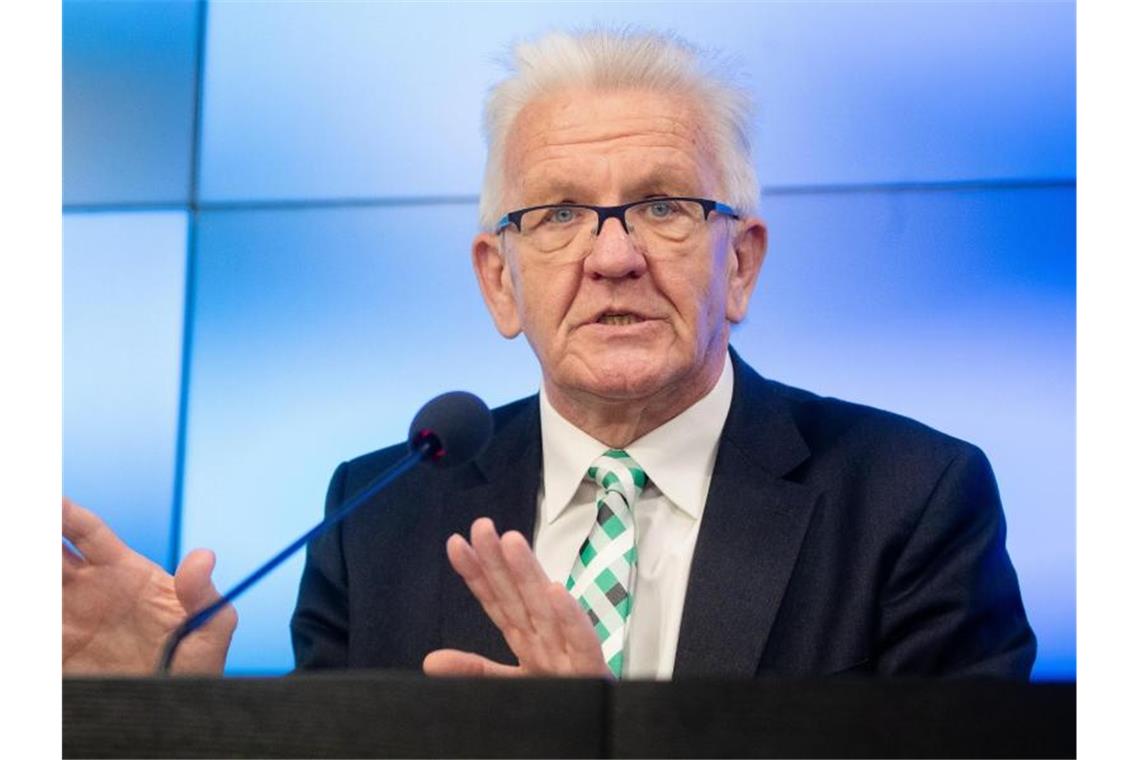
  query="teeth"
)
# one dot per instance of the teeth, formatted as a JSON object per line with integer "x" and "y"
{"x": 619, "y": 319}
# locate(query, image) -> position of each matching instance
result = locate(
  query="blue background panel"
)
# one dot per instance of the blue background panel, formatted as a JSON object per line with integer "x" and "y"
{"x": 319, "y": 332}
{"x": 123, "y": 293}
{"x": 339, "y": 100}
{"x": 129, "y": 87}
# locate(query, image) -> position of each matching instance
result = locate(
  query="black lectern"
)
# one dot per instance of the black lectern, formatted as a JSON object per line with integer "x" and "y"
{"x": 362, "y": 714}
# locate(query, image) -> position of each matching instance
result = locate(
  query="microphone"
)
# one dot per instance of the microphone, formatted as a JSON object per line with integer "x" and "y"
{"x": 456, "y": 424}
{"x": 448, "y": 431}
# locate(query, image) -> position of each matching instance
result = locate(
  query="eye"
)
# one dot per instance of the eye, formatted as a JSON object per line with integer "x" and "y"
{"x": 661, "y": 209}
{"x": 561, "y": 215}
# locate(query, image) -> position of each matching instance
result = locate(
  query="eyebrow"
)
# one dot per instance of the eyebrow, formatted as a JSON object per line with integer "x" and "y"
{"x": 660, "y": 181}
{"x": 666, "y": 180}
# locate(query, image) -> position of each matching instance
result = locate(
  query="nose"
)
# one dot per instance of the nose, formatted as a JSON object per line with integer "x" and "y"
{"x": 614, "y": 253}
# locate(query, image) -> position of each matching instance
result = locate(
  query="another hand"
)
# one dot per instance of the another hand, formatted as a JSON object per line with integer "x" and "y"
{"x": 546, "y": 629}
{"x": 119, "y": 607}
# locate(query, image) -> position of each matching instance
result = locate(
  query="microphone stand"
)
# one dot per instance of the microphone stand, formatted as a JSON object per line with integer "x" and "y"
{"x": 424, "y": 446}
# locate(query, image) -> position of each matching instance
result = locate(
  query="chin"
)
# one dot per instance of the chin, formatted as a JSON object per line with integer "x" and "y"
{"x": 625, "y": 378}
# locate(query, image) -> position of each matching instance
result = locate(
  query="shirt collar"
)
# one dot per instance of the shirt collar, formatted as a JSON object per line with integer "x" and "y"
{"x": 677, "y": 457}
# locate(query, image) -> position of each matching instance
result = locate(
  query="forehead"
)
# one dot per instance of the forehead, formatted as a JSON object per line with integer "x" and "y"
{"x": 577, "y": 143}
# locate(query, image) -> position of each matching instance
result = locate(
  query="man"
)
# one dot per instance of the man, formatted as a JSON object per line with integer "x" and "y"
{"x": 687, "y": 516}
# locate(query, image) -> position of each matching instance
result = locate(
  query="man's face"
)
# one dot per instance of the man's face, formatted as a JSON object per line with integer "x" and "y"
{"x": 615, "y": 318}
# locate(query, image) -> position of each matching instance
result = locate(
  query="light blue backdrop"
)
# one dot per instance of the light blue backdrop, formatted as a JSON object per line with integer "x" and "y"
{"x": 123, "y": 310}
{"x": 321, "y": 162}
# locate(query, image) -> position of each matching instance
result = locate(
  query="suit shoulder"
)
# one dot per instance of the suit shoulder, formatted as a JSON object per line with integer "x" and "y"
{"x": 829, "y": 423}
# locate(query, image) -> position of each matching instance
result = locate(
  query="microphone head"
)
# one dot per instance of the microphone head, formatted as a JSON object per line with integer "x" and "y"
{"x": 452, "y": 429}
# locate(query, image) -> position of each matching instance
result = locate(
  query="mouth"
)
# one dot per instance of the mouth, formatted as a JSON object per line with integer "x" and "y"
{"x": 619, "y": 319}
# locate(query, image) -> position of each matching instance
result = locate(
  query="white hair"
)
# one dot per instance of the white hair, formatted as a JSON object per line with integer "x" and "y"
{"x": 608, "y": 59}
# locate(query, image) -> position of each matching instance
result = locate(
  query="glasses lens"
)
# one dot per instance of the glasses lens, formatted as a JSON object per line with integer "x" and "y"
{"x": 556, "y": 227}
{"x": 666, "y": 218}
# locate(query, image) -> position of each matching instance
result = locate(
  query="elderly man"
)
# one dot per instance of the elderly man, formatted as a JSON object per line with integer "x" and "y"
{"x": 658, "y": 509}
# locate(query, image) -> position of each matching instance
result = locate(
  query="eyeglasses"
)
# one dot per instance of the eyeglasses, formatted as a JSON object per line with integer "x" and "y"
{"x": 555, "y": 227}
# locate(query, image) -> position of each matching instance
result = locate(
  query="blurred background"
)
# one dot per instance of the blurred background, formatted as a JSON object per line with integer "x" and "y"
{"x": 268, "y": 209}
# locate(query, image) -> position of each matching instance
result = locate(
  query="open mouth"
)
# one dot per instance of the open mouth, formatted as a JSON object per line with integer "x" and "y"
{"x": 619, "y": 319}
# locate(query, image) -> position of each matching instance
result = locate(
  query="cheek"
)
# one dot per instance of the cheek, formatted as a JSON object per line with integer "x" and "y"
{"x": 715, "y": 278}
{"x": 546, "y": 297}
{"x": 697, "y": 296}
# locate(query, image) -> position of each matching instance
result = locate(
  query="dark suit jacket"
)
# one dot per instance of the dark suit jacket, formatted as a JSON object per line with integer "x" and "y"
{"x": 836, "y": 538}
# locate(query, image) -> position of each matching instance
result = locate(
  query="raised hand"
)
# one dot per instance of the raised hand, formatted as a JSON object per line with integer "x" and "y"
{"x": 546, "y": 629}
{"x": 119, "y": 607}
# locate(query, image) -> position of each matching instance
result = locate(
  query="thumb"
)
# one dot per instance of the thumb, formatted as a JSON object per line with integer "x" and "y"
{"x": 192, "y": 581}
{"x": 195, "y": 591}
{"x": 455, "y": 664}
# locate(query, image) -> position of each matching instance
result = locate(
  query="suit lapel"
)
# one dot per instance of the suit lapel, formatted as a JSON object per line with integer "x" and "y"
{"x": 504, "y": 487}
{"x": 751, "y": 531}
{"x": 753, "y": 525}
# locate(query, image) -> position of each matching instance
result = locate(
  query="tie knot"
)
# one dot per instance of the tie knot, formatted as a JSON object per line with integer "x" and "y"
{"x": 617, "y": 471}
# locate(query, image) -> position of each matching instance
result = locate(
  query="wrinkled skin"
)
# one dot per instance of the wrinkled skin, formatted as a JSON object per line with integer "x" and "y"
{"x": 119, "y": 607}
{"x": 618, "y": 382}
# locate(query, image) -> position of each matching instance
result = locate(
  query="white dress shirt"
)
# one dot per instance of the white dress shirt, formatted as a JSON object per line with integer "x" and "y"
{"x": 678, "y": 460}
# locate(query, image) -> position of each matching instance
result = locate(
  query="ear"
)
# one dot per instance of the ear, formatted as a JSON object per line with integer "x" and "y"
{"x": 494, "y": 276}
{"x": 748, "y": 250}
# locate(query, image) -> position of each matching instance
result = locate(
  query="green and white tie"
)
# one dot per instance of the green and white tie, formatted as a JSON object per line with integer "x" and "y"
{"x": 603, "y": 574}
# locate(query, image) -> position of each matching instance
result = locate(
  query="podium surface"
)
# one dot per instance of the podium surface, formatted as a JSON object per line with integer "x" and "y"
{"x": 372, "y": 714}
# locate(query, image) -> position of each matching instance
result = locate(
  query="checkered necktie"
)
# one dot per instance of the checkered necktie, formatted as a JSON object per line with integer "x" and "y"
{"x": 603, "y": 574}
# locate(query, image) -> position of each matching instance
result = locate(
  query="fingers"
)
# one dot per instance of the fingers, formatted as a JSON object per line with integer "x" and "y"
{"x": 486, "y": 543}
{"x": 91, "y": 536}
{"x": 477, "y": 570}
{"x": 544, "y": 627}
{"x": 456, "y": 664}
{"x": 532, "y": 584}
{"x": 582, "y": 645}
{"x": 519, "y": 588}
{"x": 466, "y": 563}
